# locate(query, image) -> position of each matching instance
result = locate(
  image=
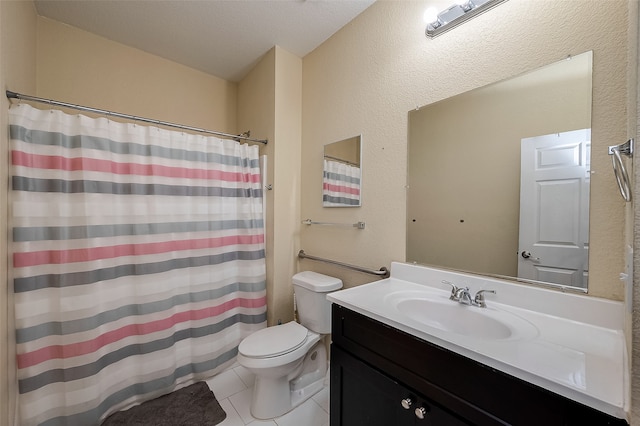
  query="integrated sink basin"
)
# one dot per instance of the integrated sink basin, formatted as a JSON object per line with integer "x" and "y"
{"x": 438, "y": 312}
{"x": 569, "y": 344}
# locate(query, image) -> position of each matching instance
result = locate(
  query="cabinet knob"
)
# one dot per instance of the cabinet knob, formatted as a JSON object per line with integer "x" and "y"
{"x": 406, "y": 403}
{"x": 421, "y": 412}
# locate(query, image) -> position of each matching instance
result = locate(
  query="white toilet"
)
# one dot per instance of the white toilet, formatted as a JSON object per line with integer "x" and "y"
{"x": 290, "y": 360}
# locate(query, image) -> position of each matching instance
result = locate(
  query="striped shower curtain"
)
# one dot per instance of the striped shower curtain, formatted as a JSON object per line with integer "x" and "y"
{"x": 138, "y": 261}
{"x": 340, "y": 185}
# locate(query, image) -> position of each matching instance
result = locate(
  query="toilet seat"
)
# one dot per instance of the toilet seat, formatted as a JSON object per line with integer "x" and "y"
{"x": 274, "y": 341}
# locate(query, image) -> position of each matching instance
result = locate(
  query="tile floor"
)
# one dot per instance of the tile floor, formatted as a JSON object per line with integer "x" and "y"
{"x": 233, "y": 389}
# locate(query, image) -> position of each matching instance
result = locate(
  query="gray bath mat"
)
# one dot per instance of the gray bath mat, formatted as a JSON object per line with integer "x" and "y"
{"x": 194, "y": 405}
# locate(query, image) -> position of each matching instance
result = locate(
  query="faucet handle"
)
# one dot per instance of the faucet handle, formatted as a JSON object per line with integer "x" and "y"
{"x": 478, "y": 300}
{"x": 454, "y": 289}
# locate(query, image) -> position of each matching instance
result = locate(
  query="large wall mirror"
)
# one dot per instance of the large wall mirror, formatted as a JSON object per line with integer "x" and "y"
{"x": 342, "y": 173}
{"x": 498, "y": 178}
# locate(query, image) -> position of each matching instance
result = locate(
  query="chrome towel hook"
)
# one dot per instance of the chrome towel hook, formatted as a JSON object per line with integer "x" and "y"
{"x": 620, "y": 172}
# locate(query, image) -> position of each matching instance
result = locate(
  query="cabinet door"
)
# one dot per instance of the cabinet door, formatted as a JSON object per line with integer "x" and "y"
{"x": 363, "y": 396}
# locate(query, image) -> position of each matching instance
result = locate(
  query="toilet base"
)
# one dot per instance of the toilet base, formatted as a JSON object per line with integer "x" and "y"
{"x": 273, "y": 397}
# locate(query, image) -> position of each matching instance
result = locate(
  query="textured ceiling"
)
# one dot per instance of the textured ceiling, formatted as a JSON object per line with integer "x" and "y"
{"x": 224, "y": 38}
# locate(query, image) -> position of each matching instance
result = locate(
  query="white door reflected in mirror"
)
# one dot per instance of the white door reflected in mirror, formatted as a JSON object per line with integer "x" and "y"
{"x": 554, "y": 208}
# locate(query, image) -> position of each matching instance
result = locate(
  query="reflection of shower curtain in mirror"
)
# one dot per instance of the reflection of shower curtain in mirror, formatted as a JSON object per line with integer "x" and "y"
{"x": 340, "y": 184}
{"x": 138, "y": 261}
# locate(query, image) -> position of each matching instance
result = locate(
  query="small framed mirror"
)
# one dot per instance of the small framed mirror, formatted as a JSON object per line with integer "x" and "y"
{"x": 342, "y": 173}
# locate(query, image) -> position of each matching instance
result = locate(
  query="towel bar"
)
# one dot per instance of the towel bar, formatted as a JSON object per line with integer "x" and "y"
{"x": 619, "y": 170}
{"x": 359, "y": 225}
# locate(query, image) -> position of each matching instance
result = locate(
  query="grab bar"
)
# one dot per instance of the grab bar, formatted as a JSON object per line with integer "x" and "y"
{"x": 620, "y": 172}
{"x": 383, "y": 272}
{"x": 359, "y": 225}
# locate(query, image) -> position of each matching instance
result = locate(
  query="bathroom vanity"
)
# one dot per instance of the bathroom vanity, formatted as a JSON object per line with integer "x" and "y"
{"x": 403, "y": 353}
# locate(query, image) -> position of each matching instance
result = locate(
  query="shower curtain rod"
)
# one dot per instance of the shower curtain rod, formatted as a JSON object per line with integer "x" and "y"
{"x": 244, "y": 136}
{"x": 340, "y": 160}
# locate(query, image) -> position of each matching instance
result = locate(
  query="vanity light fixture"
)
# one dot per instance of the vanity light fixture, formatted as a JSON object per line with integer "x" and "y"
{"x": 455, "y": 15}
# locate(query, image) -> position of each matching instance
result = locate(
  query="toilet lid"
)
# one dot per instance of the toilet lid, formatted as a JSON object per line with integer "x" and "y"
{"x": 273, "y": 341}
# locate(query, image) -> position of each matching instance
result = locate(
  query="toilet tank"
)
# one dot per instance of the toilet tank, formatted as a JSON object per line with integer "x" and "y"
{"x": 314, "y": 310}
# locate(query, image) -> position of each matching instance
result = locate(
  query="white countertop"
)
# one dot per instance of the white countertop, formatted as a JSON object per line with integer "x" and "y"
{"x": 576, "y": 347}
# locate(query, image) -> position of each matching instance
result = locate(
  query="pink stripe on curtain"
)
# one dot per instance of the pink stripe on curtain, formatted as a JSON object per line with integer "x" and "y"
{"x": 96, "y": 253}
{"x": 19, "y": 158}
{"x": 146, "y": 271}
{"x": 341, "y": 188}
{"x": 47, "y": 353}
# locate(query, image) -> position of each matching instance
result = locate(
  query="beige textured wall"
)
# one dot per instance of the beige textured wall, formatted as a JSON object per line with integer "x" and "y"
{"x": 269, "y": 100}
{"x": 368, "y": 76}
{"x": 18, "y": 25}
{"x": 82, "y": 68}
{"x": 287, "y": 180}
{"x": 256, "y": 100}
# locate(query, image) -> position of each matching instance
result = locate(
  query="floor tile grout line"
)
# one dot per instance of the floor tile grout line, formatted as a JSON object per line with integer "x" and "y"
{"x": 228, "y": 403}
{"x": 317, "y": 403}
{"x": 245, "y": 387}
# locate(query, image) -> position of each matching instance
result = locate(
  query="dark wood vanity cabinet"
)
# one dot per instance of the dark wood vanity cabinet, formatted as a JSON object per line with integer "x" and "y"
{"x": 381, "y": 375}
{"x": 369, "y": 397}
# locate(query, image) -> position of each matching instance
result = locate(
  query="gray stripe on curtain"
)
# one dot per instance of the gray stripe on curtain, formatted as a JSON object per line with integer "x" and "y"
{"x": 21, "y": 183}
{"x": 96, "y": 231}
{"x": 341, "y": 178}
{"x": 41, "y": 137}
{"x": 340, "y": 200}
{"x": 76, "y": 373}
{"x": 88, "y": 277}
{"x": 83, "y": 324}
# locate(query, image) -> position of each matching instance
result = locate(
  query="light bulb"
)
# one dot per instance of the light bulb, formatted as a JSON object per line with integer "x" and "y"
{"x": 430, "y": 15}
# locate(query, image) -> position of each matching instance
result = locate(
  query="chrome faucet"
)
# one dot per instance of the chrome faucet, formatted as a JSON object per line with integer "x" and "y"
{"x": 462, "y": 295}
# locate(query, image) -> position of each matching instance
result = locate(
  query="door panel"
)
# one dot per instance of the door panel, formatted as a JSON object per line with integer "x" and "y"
{"x": 554, "y": 208}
